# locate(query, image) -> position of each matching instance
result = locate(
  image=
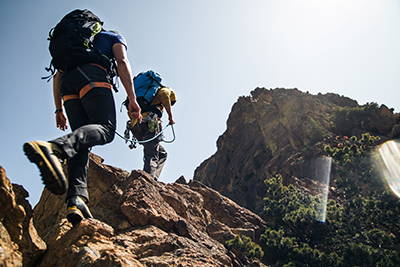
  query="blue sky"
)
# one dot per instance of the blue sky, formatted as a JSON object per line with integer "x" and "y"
{"x": 211, "y": 52}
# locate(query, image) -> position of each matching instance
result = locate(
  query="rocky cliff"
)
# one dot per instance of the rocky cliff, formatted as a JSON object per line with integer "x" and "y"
{"x": 276, "y": 131}
{"x": 139, "y": 222}
{"x": 19, "y": 242}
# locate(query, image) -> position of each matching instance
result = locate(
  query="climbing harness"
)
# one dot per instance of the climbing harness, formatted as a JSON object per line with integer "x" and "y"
{"x": 134, "y": 141}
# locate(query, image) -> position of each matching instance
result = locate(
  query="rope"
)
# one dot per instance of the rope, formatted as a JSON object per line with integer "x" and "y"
{"x": 133, "y": 142}
{"x": 173, "y": 134}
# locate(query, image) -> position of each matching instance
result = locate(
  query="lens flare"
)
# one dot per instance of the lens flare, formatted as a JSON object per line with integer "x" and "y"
{"x": 320, "y": 172}
{"x": 387, "y": 158}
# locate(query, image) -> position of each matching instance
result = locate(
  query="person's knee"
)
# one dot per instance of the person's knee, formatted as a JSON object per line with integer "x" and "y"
{"x": 111, "y": 137}
{"x": 109, "y": 132}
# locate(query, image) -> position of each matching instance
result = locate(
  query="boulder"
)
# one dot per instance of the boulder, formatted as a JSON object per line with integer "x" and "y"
{"x": 143, "y": 222}
{"x": 20, "y": 245}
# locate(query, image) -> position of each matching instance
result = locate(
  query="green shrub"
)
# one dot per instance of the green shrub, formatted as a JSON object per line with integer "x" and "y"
{"x": 245, "y": 245}
{"x": 360, "y": 230}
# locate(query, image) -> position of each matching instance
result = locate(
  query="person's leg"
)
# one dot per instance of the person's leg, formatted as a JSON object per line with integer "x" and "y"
{"x": 93, "y": 122}
{"x": 77, "y": 170}
{"x": 77, "y": 193}
{"x": 150, "y": 157}
{"x": 99, "y": 108}
{"x": 97, "y": 128}
{"x": 154, "y": 157}
{"x": 162, "y": 157}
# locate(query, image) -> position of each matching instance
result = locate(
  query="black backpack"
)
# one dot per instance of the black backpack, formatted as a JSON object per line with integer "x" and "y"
{"x": 71, "y": 42}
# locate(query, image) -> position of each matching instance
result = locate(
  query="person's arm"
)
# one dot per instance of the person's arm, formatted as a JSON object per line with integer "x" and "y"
{"x": 164, "y": 96}
{"x": 61, "y": 121}
{"x": 169, "y": 112}
{"x": 125, "y": 74}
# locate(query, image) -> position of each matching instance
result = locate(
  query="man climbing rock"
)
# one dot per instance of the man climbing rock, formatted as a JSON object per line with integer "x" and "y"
{"x": 152, "y": 107}
{"x": 84, "y": 56}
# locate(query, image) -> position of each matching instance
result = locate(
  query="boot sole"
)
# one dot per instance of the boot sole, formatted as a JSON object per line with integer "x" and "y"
{"x": 53, "y": 178}
{"x": 74, "y": 215}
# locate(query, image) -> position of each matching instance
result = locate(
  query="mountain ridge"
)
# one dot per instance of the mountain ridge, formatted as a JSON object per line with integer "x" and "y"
{"x": 268, "y": 130}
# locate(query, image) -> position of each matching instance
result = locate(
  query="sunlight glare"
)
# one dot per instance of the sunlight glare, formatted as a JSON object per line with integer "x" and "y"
{"x": 321, "y": 171}
{"x": 387, "y": 159}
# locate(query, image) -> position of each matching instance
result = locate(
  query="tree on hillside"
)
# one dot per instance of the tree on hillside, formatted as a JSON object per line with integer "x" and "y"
{"x": 363, "y": 222}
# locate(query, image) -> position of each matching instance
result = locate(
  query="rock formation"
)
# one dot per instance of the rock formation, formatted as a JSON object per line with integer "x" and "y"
{"x": 267, "y": 131}
{"x": 139, "y": 222}
{"x": 19, "y": 242}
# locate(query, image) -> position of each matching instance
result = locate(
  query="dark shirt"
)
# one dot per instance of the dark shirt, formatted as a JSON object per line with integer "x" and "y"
{"x": 105, "y": 40}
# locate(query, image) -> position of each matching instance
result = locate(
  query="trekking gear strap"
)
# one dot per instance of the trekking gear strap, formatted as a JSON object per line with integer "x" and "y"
{"x": 52, "y": 71}
{"x": 133, "y": 142}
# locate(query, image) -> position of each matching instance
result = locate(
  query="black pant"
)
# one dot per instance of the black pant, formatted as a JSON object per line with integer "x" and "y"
{"x": 92, "y": 120}
{"x": 154, "y": 154}
{"x": 154, "y": 157}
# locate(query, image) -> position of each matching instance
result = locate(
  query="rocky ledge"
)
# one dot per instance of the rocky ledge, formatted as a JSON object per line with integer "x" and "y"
{"x": 139, "y": 222}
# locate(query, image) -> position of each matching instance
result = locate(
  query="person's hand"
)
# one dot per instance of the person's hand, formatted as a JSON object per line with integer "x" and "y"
{"x": 171, "y": 120}
{"x": 135, "y": 116}
{"x": 134, "y": 110}
{"x": 61, "y": 121}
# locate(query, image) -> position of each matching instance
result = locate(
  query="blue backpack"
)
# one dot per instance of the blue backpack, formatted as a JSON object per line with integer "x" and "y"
{"x": 146, "y": 86}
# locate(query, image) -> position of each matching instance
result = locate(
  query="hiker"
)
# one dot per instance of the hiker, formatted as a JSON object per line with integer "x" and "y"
{"x": 163, "y": 97}
{"x": 82, "y": 55}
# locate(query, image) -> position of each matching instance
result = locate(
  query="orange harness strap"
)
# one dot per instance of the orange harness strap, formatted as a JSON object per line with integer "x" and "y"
{"x": 92, "y": 85}
{"x": 70, "y": 97}
{"x": 86, "y": 90}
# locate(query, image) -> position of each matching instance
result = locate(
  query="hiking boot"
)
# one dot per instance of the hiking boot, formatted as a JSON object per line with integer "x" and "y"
{"x": 77, "y": 210}
{"x": 47, "y": 157}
